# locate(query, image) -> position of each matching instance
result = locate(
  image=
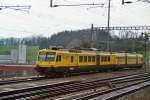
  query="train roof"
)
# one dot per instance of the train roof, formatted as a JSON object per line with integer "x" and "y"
{"x": 89, "y": 52}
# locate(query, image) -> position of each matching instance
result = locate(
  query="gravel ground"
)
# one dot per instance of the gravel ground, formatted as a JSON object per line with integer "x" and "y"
{"x": 103, "y": 75}
{"x": 100, "y": 75}
{"x": 142, "y": 94}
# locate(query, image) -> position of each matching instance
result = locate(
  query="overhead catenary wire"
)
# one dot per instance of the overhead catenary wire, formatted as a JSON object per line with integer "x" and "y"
{"x": 24, "y": 8}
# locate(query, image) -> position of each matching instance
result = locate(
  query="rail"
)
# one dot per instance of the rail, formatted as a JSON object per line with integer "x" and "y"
{"x": 47, "y": 91}
{"x": 4, "y": 82}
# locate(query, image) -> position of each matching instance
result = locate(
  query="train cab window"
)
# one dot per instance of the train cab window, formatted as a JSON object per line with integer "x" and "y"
{"x": 108, "y": 58}
{"x": 80, "y": 58}
{"x": 93, "y": 58}
{"x": 42, "y": 56}
{"x": 72, "y": 59}
{"x": 50, "y": 56}
{"x": 85, "y": 58}
{"x": 58, "y": 59}
{"x": 89, "y": 58}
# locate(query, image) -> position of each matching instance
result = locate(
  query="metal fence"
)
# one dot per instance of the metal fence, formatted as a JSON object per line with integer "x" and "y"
{"x": 5, "y": 59}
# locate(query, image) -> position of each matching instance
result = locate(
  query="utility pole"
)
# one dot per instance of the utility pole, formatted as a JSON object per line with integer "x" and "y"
{"x": 108, "y": 28}
{"x": 146, "y": 42}
{"x": 92, "y": 36}
{"x": 145, "y": 48}
{"x": 145, "y": 51}
{"x": 51, "y": 3}
{"x": 108, "y": 25}
{"x": 148, "y": 50}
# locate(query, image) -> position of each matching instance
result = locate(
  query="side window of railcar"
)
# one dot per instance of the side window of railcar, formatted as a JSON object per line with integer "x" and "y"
{"x": 102, "y": 58}
{"x": 72, "y": 59}
{"x": 93, "y": 58}
{"x": 58, "y": 59}
{"x": 80, "y": 58}
{"x": 105, "y": 59}
{"x": 142, "y": 59}
{"x": 121, "y": 59}
{"x": 85, "y": 58}
{"x": 89, "y": 58}
{"x": 108, "y": 58}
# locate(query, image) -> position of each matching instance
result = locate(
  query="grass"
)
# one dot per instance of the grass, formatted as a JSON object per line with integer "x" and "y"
{"x": 6, "y": 50}
{"x": 142, "y": 94}
{"x": 31, "y": 51}
{"x": 147, "y": 55}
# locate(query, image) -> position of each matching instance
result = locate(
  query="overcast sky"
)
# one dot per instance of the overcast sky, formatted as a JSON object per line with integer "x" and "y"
{"x": 45, "y": 21}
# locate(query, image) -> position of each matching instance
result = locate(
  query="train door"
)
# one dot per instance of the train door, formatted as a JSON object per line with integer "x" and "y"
{"x": 62, "y": 60}
{"x": 97, "y": 60}
{"x": 73, "y": 61}
{"x": 136, "y": 59}
{"x": 66, "y": 60}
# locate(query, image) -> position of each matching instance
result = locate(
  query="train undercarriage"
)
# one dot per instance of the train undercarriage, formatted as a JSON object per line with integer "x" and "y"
{"x": 54, "y": 71}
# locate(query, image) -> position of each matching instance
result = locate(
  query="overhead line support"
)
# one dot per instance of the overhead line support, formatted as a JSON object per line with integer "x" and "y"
{"x": 125, "y": 28}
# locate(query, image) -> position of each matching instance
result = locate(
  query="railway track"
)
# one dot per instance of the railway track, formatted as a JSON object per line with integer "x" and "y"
{"x": 116, "y": 92}
{"x": 55, "y": 90}
{"x": 118, "y": 88}
{"x": 28, "y": 79}
{"x": 4, "y": 82}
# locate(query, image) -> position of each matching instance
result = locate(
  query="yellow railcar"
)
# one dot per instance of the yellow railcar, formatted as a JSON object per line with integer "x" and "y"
{"x": 140, "y": 59}
{"x": 121, "y": 58}
{"x": 63, "y": 61}
{"x": 107, "y": 59}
